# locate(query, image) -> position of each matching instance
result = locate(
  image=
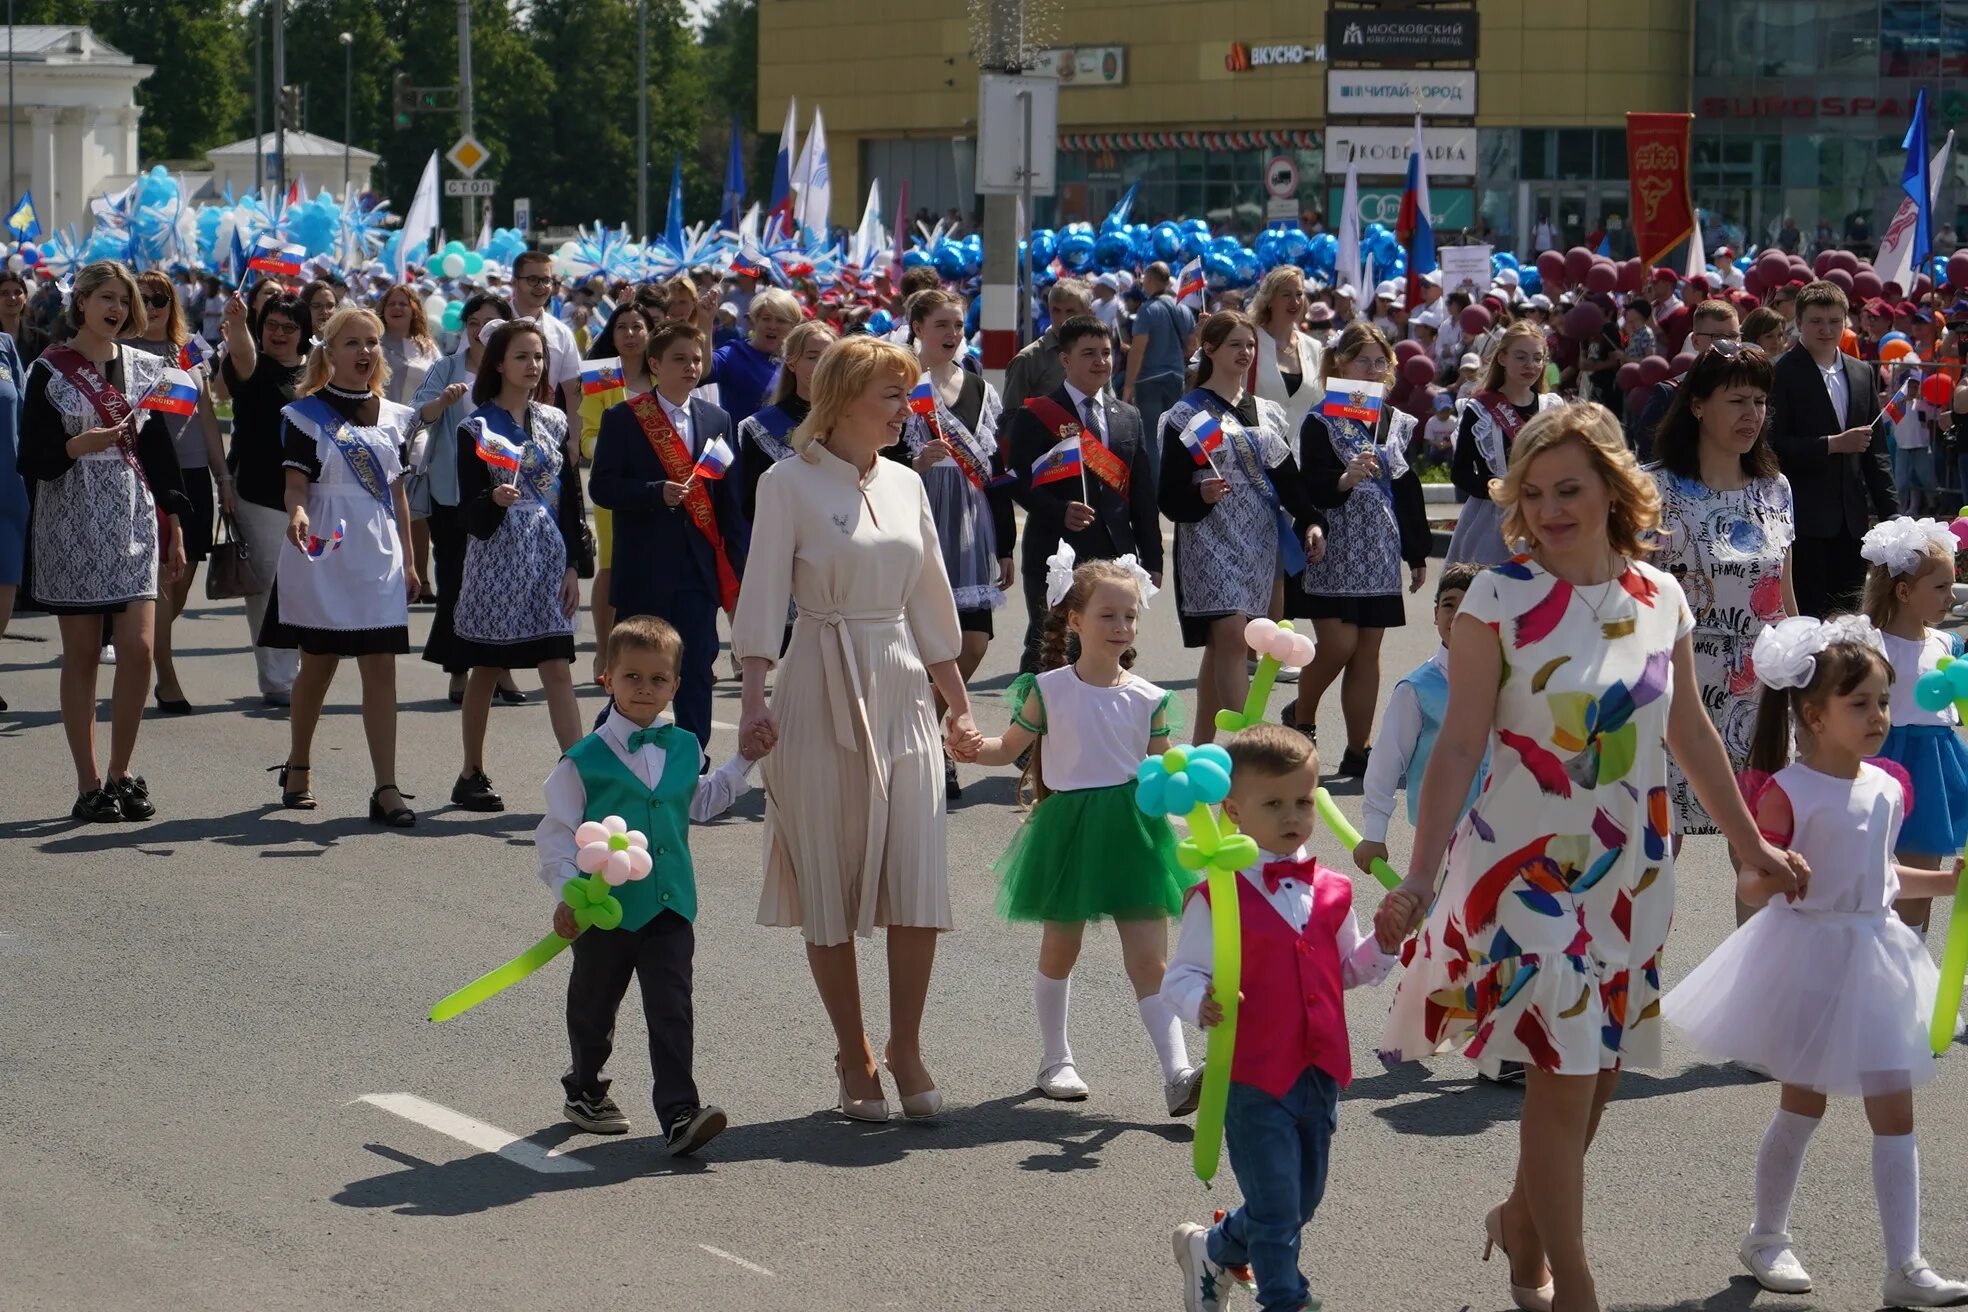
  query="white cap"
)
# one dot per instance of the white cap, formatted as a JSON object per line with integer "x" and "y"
{"x": 1389, "y": 289}
{"x": 1346, "y": 290}
{"x": 1124, "y": 279}
{"x": 1430, "y": 316}
{"x": 1432, "y": 278}
{"x": 1541, "y": 301}
{"x": 1470, "y": 360}
{"x": 1107, "y": 280}
{"x": 1507, "y": 278}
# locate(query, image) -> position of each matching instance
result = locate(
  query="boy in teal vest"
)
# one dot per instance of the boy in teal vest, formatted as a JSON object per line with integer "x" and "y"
{"x": 642, "y": 767}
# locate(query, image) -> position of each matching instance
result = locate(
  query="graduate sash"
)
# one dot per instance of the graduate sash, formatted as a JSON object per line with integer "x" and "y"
{"x": 112, "y": 408}
{"x": 1244, "y": 450}
{"x": 777, "y": 425}
{"x": 678, "y": 464}
{"x": 1098, "y": 456}
{"x": 1504, "y": 421}
{"x": 360, "y": 457}
{"x": 962, "y": 443}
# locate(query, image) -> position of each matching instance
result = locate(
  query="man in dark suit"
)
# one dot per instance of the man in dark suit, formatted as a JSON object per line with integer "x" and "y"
{"x": 1822, "y": 407}
{"x": 1110, "y": 522}
{"x": 679, "y": 538}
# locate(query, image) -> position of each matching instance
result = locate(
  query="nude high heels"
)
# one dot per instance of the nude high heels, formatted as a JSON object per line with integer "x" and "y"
{"x": 858, "y": 1109}
{"x": 1531, "y": 1300}
{"x": 916, "y": 1106}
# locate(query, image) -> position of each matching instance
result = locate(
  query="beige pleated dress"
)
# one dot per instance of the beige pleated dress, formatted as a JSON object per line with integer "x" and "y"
{"x": 854, "y": 818}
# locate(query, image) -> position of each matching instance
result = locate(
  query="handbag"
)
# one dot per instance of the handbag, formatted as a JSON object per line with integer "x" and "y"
{"x": 585, "y": 548}
{"x": 229, "y": 569}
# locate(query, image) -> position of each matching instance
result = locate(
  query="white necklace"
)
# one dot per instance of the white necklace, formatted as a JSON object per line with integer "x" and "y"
{"x": 347, "y": 395}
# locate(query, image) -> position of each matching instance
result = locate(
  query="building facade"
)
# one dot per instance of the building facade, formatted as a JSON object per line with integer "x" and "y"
{"x": 72, "y": 121}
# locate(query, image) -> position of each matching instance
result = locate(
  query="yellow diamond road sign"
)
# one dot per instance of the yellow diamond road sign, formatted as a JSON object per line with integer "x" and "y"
{"x": 467, "y": 155}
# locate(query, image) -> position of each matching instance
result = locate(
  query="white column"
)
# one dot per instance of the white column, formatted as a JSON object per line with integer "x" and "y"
{"x": 40, "y": 144}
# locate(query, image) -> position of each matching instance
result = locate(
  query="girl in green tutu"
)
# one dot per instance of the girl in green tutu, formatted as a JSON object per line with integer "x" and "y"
{"x": 1087, "y": 852}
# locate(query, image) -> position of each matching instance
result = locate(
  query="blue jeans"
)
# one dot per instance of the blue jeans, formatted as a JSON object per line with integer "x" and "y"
{"x": 1154, "y": 397}
{"x": 1279, "y": 1148}
{"x": 1913, "y": 471}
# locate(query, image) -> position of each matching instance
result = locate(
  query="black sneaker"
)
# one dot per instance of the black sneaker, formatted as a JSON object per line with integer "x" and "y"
{"x": 97, "y": 806}
{"x": 474, "y": 792}
{"x": 1353, "y": 763}
{"x": 132, "y": 796}
{"x": 693, "y": 1128}
{"x": 597, "y": 1115}
{"x": 1311, "y": 731}
{"x": 952, "y": 790}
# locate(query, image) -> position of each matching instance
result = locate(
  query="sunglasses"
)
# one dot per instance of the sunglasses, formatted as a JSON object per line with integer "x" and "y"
{"x": 157, "y": 302}
{"x": 1728, "y": 348}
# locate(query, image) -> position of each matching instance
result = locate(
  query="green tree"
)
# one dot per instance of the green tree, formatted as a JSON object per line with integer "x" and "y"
{"x": 729, "y": 40}
{"x": 314, "y": 29}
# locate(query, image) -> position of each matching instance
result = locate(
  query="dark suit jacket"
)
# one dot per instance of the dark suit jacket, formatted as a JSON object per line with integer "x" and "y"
{"x": 1119, "y": 527}
{"x": 1834, "y": 494}
{"x": 658, "y": 550}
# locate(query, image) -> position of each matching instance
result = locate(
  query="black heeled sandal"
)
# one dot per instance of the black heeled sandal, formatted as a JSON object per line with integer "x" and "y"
{"x": 398, "y": 816}
{"x": 510, "y": 696}
{"x": 298, "y": 799}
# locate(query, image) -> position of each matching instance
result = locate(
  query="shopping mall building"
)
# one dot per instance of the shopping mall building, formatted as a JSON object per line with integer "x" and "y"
{"x": 1800, "y": 104}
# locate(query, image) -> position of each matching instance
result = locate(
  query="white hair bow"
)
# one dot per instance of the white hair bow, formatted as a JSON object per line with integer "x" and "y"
{"x": 1059, "y": 574}
{"x": 1786, "y": 653}
{"x": 491, "y": 326}
{"x": 1146, "y": 584}
{"x": 1903, "y": 543}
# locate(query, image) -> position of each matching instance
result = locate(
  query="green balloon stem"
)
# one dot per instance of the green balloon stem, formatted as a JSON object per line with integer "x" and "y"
{"x": 1954, "y": 969}
{"x": 1344, "y": 831}
{"x": 1202, "y": 823}
{"x": 1260, "y": 690}
{"x": 496, "y": 981}
{"x": 1226, "y": 980}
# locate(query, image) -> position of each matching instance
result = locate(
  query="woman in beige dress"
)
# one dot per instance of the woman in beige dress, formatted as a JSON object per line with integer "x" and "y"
{"x": 854, "y": 819}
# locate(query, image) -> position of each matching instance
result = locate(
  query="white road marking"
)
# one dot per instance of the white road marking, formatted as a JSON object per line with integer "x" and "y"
{"x": 736, "y": 1260}
{"x": 466, "y": 1129}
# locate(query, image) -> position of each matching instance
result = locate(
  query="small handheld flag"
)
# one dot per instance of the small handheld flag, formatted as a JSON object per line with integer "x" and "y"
{"x": 1896, "y": 409}
{"x": 22, "y": 221}
{"x": 272, "y": 255}
{"x": 1202, "y": 435}
{"x": 714, "y": 460}
{"x": 1348, "y": 399}
{"x": 601, "y": 375}
{"x": 174, "y": 393}
{"x": 319, "y": 547}
{"x": 193, "y": 353}
{"x": 496, "y": 451}
{"x": 922, "y": 400}
{"x": 1058, "y": 464}
{"x": 1190, "y": 284}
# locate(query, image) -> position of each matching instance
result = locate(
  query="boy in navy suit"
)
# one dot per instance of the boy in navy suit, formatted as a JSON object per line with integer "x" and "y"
{"x": 679, "y": 536}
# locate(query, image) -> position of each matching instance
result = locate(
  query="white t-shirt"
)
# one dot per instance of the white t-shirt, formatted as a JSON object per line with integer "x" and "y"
{"x": 563, "y": 353}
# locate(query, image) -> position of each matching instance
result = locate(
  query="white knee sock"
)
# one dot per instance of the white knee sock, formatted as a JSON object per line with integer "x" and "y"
{"x": 1896, "y": 1184}
{"x": 1779, "y": 1161}
{"x": 1165, "y": 1032}
{"x": 1050, "y": 996}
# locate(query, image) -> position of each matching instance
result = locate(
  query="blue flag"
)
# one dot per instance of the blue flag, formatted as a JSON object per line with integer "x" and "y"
{"x": 673, "y": 222}
{"x": 1916, "y": 183}
{"x": 23, "y": 222}
{"x": 1118, "y": 216}
{"x": 734, "y": 177}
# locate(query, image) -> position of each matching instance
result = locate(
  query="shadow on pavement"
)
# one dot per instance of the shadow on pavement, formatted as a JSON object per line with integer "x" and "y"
{"x": 1741, "y": 1294}
{"x": 1067, "y": 1140}
{"x": 260, "y": 827}
{"x": 1462, "y": 1104}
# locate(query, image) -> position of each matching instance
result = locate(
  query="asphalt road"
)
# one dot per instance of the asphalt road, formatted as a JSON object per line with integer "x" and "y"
{"x": 217, "y": 1088}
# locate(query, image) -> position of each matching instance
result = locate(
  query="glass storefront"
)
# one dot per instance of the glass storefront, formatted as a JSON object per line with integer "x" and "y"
{"x": 1215, "y": 179}
{"x": 1801, "y": 106}
{"x": 1575, "y": 177}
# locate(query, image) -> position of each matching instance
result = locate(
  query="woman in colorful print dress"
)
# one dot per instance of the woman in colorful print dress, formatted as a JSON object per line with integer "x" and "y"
{"x": 1542, "y": 944}
{"x": 1726, "y": 529}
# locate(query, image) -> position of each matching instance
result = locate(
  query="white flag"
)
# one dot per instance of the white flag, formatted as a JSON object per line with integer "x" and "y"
{"x": 1346, "y": 260}
{"x": 1895, "y": 262}
{"x": 816, "y": 192}
{"x": 420, "y": 220}
{"x": 868, "y": 238}
{"x": 1697, "y": 256}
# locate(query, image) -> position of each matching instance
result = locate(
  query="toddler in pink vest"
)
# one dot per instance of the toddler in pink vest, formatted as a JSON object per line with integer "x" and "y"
{"x": 1302, "y": 949}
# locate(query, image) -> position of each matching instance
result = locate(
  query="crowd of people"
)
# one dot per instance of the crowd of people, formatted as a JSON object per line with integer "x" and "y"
{"x": 1708, "y": 580}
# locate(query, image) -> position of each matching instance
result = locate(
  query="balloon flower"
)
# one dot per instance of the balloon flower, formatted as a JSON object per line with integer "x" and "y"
{"x": 1277, "y": 648}
{"x": 1936, "y": 690}
{"x": 1344, "y": 831}
{"x": 1189, "y": 781}
{"x": 610, "y": 854}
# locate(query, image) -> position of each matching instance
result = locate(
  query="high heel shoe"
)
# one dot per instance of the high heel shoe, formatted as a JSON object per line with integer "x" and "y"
{"x": 393, "y": 817}
{"x": 859, "y": 1109}
{"x": 170, "y": 705}
{"x": 298, "y": 799}
{"x": 510, "y": 696}
{"x": 1525, "y": 1297}
{"x": 916, "y": 1106}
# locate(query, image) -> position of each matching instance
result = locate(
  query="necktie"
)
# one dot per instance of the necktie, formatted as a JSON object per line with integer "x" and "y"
{"x": 1277, "y": 872}
{"x": 656, "y": 735}
{"x": 1091, "y": 412}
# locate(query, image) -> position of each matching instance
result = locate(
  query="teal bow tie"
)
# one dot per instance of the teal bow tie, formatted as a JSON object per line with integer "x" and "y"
{"x": 655, "y": 736}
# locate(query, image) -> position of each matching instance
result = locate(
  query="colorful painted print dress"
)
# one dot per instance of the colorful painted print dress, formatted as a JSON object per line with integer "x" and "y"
{"x": 1543, "y": 942}
{"x": 1727, "y": 551}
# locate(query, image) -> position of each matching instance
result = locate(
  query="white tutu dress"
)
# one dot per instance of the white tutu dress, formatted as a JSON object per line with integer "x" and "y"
{"x": 1832, "y": 993}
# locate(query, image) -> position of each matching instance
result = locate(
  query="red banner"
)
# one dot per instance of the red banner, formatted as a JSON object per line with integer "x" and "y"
{"x": 1657, "y": 164}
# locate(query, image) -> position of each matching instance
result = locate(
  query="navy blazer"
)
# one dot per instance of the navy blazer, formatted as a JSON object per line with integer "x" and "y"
{"x": 658, "y": 550}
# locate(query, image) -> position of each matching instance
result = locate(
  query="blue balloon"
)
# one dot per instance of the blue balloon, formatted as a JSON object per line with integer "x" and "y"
{"x": 1530, "y": 281}
{"x": 1165, "y": 240}
{"x": 1932, "y": 692}
{"x": 949, "y": 261}
{"x": 1111, "y": 251}
{"x": 1245, "y": 266}
{"x": 1296, "y": 243}
{"x": 1042, "y": 247}
{"x": 1502, "y": 260}
{"x": 914, "y": 258}
{"x": 1075, "y": 247}
{"x": 1219, "y": 269}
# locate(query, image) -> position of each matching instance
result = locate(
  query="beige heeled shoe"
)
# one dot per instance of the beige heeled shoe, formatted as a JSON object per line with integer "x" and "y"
{"x": 858, "y": 1109}
{"x": 916, "y": 1106}
{"x": 1525, "y": 1297}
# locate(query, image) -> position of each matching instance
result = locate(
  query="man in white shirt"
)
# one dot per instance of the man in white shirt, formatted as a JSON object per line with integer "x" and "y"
{"x": 532, "y": 289}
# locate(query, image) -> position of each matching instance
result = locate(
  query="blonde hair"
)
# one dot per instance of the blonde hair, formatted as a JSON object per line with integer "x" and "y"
{"x": 778, "y": 301}
{"x": 1271, "y": 288}
{"x": 1635, "y": 510}
{"x": 850, "y": 366}
{"x": 1493, "y": 367}
{"x": 785, "y": 387}
{"x": 1882, "y": 593}
{"x": 318, "y": 367}
{"x": 1359, "y": 335}
{"x": 94, "y": 277}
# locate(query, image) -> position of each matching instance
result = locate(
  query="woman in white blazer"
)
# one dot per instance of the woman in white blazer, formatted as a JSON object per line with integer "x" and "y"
{"x": 1285, "y": 370}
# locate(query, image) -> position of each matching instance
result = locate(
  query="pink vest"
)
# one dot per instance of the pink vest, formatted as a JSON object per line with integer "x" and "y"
{"x": 1294, "y": 1009}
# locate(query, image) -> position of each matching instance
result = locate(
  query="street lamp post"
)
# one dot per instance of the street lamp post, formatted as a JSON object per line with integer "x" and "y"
{"x": 348, "y": 107}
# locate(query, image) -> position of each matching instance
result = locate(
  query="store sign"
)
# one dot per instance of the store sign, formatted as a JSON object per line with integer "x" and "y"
{"x": 1951, "y": 106}
{"x": 1084, "y": 66}
{"x": 1449, "y": 209}
{"x": 1350, "y": 91}
{"x": 1451, "y": 151}
{"x": 1394, "y": 35}
{"x": 1243, "y": 57}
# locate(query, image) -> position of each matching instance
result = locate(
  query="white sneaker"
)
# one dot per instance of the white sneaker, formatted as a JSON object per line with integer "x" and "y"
{"x": 1287, "y": 674}
{"x": 1062, "y": 1083}
{"x": 1205, "y": 1285}
{"x": 109, "y": 653}
{"x": 1182, "y": 1093}
{"x": 1772, "y": 1260}
{"x": 1918, "y": 1285}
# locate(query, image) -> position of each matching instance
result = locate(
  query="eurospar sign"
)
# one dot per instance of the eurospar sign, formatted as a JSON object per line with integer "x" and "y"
{"x": 1243, "y": 57}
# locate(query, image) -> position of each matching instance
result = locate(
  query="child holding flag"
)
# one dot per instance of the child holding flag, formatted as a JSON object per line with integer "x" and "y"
{"x": 679, "y": 534}
{"x": 1301, "y": 950}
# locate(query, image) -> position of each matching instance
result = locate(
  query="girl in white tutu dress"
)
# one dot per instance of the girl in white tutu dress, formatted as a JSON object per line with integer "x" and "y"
{"x": 1830, "y": 993}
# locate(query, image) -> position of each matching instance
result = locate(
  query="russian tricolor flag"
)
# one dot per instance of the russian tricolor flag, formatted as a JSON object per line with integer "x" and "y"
{"x": 1412, "y": 228}
{"x": 1896, "y": 409}
{"x": 1058, "y": 464}
{"x": 715, "y": 458}
{"x": 174, "y": 393}
{"x": 601, "y": 375}
{"x": 749, "y": 262}
{"x": 1347, "y": 399}
{"x": 272, "y": 255}
{"x": 1202, "y": 435}
{"x": 496, "y": 451}
{"x": 922, "y": 400}
{"x": 1190, "y": 283}
{"x": 193, "y": 353}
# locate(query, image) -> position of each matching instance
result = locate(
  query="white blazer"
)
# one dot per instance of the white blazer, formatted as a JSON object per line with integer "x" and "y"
{"x": 1267, "y": 382}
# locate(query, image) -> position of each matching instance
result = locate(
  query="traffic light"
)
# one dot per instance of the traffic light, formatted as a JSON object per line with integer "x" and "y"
{"x": 402, "y": 99}
{"x": 290, "y": 108}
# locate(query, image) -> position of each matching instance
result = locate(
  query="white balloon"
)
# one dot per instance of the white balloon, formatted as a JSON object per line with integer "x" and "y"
{"x": 434, "y": 311}
{"x": 616, "y": 869}
{"x": 591, "y": 831}
{"x": 616, "y": 824}
{"x": 15, "y": 264}
{"x": 453, "y": 265}
{"x": 1303, "y": 647}
{"x": 1258, "y": 632}
{"x": 591, "y": 858}
{"x": 640, "y": 862}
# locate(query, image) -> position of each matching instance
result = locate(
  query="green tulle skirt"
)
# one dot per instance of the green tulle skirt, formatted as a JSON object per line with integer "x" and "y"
{"x": 1090, "y": 854}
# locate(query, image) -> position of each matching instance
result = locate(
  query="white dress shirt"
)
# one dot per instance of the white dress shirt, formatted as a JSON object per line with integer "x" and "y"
{"x": 1099, "y": 420}
{"x": 1361, "y": 962}
{"x": 563, "y": 353}
{"x": 1839, "y": 388}
{"x": 567, "y": 796}
{"x": 1388, "y": 763}
{"x": 680, "y": 420}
